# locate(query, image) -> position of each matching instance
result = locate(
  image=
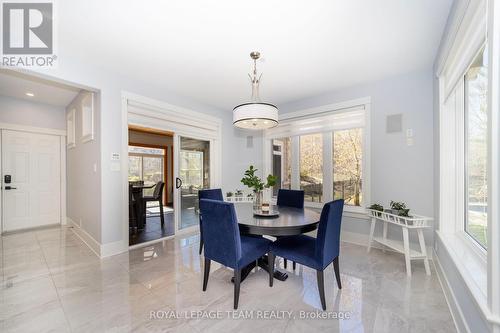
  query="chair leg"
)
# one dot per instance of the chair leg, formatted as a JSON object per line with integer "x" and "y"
{"x": 337, "y": 271}
{"x": 284, "y": 262}
{"x": 206, "y": 273}
{"x": 237, "y": 280}
{"x": 162, "y": 217}
{"x": 201, "y": 244}
{"x": 294, "y": 265}
{"x": 321, "y": 288}
{"x": 270, "y": 264}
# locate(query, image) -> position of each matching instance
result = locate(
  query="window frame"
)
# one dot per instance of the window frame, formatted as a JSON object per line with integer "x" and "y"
{"x": 482, "y": 249}
{"x": 452, "y": 212}
{"x": 330, "y": 109}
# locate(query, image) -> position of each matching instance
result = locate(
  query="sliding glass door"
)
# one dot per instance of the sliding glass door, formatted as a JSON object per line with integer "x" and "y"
{"x": 193, "y": 174}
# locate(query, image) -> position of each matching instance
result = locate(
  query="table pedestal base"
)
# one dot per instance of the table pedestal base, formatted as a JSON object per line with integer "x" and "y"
{"x": 263, "y": 263}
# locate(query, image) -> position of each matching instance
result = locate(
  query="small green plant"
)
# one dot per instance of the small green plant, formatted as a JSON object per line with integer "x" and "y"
{"x": 398, "y": 205}
{"x": 239, "y": 193}
{"x": 378, "y": 207}
{"x": 229, "y": 194}
{"x": 404, "y": 213}
{"x": 254, "y": 182}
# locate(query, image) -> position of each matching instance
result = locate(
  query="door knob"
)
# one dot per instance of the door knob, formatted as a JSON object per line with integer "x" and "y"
{"x": 10, "y": 188}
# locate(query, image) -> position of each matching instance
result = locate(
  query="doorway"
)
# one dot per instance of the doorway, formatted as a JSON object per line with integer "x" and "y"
{"x": 195, "y": 160}
{"x": 31, "y": 174}
{"x": 150, "y": 154}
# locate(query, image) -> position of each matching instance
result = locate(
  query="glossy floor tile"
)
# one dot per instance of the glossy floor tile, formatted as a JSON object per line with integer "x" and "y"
{"x": 51, "y": 282}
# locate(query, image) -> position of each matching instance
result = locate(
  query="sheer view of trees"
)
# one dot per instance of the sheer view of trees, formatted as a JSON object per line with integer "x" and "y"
{"x": 476, "y": 81}
{"x": 311, "y": 166}
{"x": 347, "y": 165}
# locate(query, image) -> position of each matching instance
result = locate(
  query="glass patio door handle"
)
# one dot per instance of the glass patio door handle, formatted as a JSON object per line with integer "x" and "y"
{"x": 178, "y": 182}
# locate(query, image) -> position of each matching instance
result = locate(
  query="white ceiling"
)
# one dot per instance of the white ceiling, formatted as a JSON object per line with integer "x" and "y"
{"x": 14, "y": 84}
{"x": 200, "y": 49}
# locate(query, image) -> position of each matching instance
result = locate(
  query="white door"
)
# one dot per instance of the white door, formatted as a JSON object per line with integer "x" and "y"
{"x": 33, "y": 196}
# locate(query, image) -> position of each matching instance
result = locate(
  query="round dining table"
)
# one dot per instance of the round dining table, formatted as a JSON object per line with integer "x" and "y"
{"x": 289, "y": 222}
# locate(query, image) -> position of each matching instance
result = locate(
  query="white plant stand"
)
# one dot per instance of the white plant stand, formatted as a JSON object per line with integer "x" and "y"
{"x": 416, "y": 222}
{"x": 238, "y": 199}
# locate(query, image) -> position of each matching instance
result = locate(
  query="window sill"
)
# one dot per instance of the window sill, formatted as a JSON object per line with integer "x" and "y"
{"x": 472, "y": 267}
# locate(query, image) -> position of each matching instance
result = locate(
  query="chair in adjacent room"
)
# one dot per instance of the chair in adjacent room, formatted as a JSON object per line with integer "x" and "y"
{"x": 213, "y": 194}
{"x": 317, "y": 253}
{"x": 157, "y": 196}
{"x": 225, "y": 245}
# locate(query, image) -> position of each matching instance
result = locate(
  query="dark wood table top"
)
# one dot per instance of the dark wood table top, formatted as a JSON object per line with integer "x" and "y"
{"x": 291, "y": 221}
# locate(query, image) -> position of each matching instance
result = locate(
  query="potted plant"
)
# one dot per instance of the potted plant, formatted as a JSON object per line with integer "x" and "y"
{"x": 257, "y": 185}
{"x": 404, "y": 213}
{"x": 397, "y": 207}
{"x": 377, "y": 207}
{"x": 229, "y": 194}
{"x": 238, "y": 195}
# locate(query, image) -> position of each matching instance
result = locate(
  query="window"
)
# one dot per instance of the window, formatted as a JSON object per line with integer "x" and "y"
{"x": 311, "y": 167}
{"x": 347, "y": 166}
{"x": 476, "y": 149}
{"x": 322, "y": 154}
{"x": 146, "y": 164}
{"x": 282, "y": 164}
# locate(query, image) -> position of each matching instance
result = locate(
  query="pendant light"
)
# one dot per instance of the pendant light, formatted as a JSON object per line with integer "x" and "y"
{"x": 255, "y": 115}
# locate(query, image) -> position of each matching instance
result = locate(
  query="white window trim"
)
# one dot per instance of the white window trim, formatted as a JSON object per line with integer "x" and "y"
{"x": 466, "y": 38}
{"x": 312, "y": 113}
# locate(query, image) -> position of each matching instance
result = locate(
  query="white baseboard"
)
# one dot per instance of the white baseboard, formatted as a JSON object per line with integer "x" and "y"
{"x": 456, "y": 311}
{"x": 100, "y": 250}
{"x": 94, "y": 245}
{"x": 111, "y": 249}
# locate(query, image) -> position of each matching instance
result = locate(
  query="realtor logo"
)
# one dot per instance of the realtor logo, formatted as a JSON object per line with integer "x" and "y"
{"x": 28, "y": 34}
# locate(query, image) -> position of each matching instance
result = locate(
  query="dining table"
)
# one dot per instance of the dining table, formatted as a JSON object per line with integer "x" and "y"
{"x": 138, "y": 195}
{"x": 288, "y": 221}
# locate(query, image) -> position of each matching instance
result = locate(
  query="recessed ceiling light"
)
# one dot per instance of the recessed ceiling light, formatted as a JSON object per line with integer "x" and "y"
{"x": 30, "y": 94}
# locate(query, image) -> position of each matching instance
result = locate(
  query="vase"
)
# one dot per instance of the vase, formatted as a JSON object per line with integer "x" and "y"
{"x": 257, "y": 200}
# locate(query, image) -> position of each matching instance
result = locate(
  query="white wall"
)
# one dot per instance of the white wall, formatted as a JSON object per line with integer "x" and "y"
{"x": 22, "y": 112}
{"x": 398, "y": 172}
{"x": 83, "y": 193}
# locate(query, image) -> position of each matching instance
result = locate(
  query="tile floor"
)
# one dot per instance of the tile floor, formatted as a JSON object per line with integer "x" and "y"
{"x": 51, "y": 282}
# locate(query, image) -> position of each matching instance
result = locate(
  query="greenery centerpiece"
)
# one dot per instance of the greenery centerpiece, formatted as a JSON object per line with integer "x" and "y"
{"x": 257, "y": 185}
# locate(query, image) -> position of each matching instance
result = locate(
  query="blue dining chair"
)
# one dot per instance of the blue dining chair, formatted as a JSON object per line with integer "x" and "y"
{"x": 290, "y": 198}
{"x": 214, "y": 194}
{"x": 317, "y": 252}
{"x": 225, "y": 245}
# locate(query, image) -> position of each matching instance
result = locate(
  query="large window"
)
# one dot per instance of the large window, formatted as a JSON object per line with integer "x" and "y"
{"x": 322, "y": 154}
{"x": 476, "y": 149}
{"x": 347, "y": 166}
{"x": 311, "y": 166}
